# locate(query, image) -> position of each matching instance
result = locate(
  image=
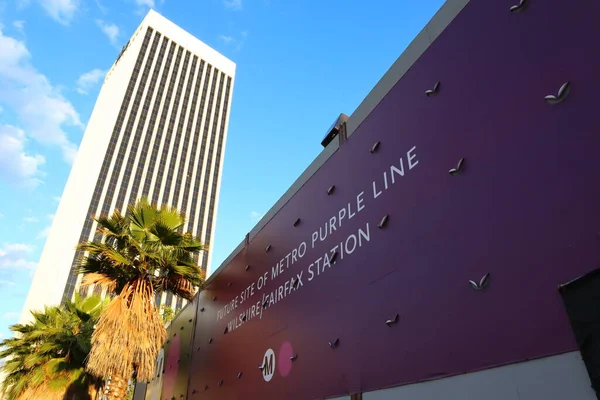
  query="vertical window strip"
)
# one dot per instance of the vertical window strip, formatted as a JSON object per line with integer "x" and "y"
{"x": 195, "y": 193}
{"x": 127, "y": 139}
{"x": 142, "y": 162}
{"x": 194, "y": 167}
{"x": 204, "y": 211}
{"x": 87, "y": 225}
{"x": 160, "y": 130}
{"x": 133, "y": 151}
{"x": 160, "y": 165}
{"x": 186, "y": 140}
{"x": 217, "y": 166}
{"x": 175, "y": 154}
{"x": 169, "y": 299}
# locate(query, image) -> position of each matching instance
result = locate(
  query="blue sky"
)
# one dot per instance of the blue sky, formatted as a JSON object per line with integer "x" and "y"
{"x": 299, "y": 64}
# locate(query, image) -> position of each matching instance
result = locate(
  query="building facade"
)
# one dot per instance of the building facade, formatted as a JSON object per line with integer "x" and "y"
{"x": 158, "y": 130}
{"x": 445, "y": 243}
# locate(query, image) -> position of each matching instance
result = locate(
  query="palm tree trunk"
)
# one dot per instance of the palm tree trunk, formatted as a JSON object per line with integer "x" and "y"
{"x": 117, "y": 388}
{"x": 94, "y": 391}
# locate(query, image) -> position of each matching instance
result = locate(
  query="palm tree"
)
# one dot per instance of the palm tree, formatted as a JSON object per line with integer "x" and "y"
{"x": 142, "y": 254}
{"x": 167, "y": 314}
{"x": 46, "y": 358}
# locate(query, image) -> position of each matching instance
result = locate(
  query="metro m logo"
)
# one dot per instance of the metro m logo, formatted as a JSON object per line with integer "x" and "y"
{"x": 268, "y": 365}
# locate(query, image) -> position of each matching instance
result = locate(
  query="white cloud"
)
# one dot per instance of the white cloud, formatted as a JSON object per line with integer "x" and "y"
{"x": 88, "y": 80}
{"x": 244, "y": 35}
{"x": 4, "y": 283}
{"x": 39, "y": 105}
{"x": 235, "y": 5}
{"x": 15, "y": 255}
{"x": 62, "y": 11}
{"x": 1, "y": 215}
{"x": 16, "y": 247}
{"x": 232, "y": 40}
{"x": 22, "y": 4}
{"x": 110, "y": 30}
{"x": 146, "y": 3}
{"x": 19, "y": 25}
{"x": 255, "y": 216}
{"x": 44, "y": 233}
{"x": 16, "y": 166}
{"x": 30, "y": 219}
{"x": 50, "y": 216}
{"x": 102, "y": 9}
{"x": 56, "y": 199}
{"x": 11, "y": 315}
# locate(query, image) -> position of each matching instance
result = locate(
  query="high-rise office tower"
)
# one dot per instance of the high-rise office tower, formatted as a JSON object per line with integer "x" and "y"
{"x": 158, "y": 129}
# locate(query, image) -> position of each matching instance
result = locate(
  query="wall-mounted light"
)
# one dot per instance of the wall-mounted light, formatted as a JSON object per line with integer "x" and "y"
{"x": 268, "y": 248}
{"x": 202, "y": 309}
{"x": 334, "y": 343}
{"x": 330, "y": 190}
{"x": 434, "y": 91}
{"x": 333, "y": 257}
{"x": 393, "y": 321}
{"x": 210, "y": 341}
{"x": 383, "y": 221}
{"x": 297, "y": 222}
{"x": 375, "y": 147}
{"x": 482, "y": 284}
{"x": 519, "y": 7}
{"x": 294, "y": 357}
{"x": 247, "y": 267}
{"x": 220, "y": 383}
{"x": 455, "y": 171}
{"x": 239, "y": 375}
{"x": 562, "y": 94}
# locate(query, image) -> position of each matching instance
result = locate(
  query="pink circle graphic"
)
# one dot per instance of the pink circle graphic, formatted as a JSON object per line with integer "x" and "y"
{"x": 171, "y": 366}
{"x": 284, "y": 362}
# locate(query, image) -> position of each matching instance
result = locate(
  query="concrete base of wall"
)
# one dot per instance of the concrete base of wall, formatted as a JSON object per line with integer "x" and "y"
{"x": 552, "y": 378}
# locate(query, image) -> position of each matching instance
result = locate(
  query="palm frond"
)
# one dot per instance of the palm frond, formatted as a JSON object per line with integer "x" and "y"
{"x": 50, "y": 352}
{"x": 142, "y": 253}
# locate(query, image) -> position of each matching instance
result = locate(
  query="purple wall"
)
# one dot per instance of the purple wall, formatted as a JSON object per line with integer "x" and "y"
{"x": 524, "y": 209}
{"x": 178, "y": 353}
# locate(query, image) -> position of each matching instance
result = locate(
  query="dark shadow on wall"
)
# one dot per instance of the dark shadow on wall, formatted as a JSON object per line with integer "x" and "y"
{"x": 77, "y": 391}
{"x": 582, "y": 301}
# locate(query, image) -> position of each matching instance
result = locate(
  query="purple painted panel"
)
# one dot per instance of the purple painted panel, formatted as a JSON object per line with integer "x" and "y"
{"x": 523, "y": 208}
{"x": 178, "y": 353}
